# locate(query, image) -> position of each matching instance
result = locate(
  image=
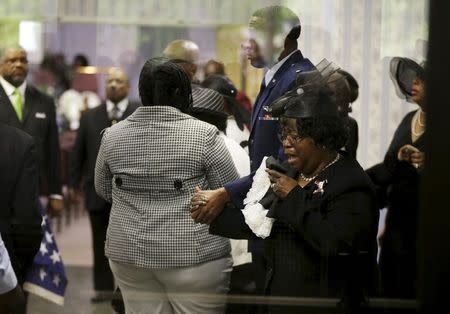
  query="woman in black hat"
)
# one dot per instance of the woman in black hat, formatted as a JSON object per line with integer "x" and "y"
{"x": 346, "y": 91}
{"x": 322, "y": 223}
{"x": 238, "y": 117}
{"x": 404, "y": 163}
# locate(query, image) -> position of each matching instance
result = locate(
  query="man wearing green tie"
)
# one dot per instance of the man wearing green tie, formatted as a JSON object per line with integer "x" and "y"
{"x": 23, "y": 106}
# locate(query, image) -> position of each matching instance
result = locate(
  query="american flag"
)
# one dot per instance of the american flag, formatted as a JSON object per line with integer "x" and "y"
{"x": 47, "y": 277}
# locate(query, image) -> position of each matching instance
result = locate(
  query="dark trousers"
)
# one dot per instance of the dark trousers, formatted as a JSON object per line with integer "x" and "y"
{"x": 103, "y": 277}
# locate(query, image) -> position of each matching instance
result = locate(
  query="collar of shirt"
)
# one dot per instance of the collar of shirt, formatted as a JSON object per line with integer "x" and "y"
{"x": 9, "y": 88}
{"x": 122, "y": 105}
{"x": 273, "y": 70}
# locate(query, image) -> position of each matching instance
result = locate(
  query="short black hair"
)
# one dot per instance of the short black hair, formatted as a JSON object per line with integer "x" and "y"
{"x": 327, "y": 132}
{"x": 164, "y": 83}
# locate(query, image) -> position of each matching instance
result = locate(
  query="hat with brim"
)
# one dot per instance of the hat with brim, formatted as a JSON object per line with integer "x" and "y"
{"x": 403, "y": 72}
{"x": 311, "y": 97}
{"x": 223, "y": 85}
{"x": 206, "y": 100}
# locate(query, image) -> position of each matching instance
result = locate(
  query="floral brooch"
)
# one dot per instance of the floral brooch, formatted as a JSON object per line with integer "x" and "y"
{"x": 320, "y": 185}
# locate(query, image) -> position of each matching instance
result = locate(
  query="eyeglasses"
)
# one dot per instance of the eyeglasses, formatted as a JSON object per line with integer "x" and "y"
{"x": 290, "y": 135}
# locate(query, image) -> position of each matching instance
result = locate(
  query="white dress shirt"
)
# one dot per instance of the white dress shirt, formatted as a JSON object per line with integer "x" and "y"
{"x": 121, "y": 105}
{"x": 9, "y": 89}
{"x": 273, "y": 70}
{"x": 8, "y": 279}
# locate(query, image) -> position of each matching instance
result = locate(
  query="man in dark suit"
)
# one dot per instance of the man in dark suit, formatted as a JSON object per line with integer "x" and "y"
{"x": 24, "y": 107}
{"x": 283, "y": 62}
{"x": 84, "y": 156}
{"x": 20, "y": 219}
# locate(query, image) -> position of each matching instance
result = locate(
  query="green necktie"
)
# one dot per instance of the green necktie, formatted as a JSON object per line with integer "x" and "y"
{"x": 18, "y": 103}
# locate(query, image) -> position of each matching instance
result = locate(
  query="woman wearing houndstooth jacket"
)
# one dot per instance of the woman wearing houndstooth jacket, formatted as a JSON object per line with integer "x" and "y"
{"x": 148, "y": 167}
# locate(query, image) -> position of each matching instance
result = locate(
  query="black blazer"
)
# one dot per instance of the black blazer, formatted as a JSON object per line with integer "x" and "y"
{"x": 39, "y": 121}
{"x": 321, "y": 245}
{"x": 84, "y": 154}
{"x": 20, "y": 219}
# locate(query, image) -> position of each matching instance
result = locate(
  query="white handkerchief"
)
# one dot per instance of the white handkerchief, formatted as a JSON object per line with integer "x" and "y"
{"x": 254, "y": 213}
{"x": 40, "y": 115}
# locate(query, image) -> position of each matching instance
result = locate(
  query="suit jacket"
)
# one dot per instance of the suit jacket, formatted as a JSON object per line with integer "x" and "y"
{"x": 148, "y": 167}
{"x": 264, "y": 133}
{"x": 20, "y": 219}
{"x": 84, "y": 154}
{"x": 39, "y": 121}
{"x": 321, "y": 244}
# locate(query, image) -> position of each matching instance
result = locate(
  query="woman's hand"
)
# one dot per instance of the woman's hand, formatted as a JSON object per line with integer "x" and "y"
{"x": 207, "y": 205}
{"x": 282, "y": 185}
{"x": 418, "y": 159}
{"x": 404, "y": 153}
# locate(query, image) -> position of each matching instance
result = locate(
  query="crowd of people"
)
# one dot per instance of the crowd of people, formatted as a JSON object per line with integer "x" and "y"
{"x": 194, "y": 194}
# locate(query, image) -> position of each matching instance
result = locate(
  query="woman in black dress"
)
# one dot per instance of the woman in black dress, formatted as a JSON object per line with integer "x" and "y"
{"x": 322, "y": 241}
{"x": 404, "y": 162}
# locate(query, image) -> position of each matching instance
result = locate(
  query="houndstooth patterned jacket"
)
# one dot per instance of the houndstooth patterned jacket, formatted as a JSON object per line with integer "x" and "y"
{"x": 148, "y": 166}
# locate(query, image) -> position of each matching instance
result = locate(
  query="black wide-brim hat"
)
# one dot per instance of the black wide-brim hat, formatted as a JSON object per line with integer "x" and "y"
{"x": 403, "y": 72}
{"x": 311, "y": 97}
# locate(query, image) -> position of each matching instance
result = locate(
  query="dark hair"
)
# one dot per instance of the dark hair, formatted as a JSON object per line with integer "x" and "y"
{"x": 219, "y": 67}
{"x": 219, "y": 121}
{"x": 327, "y": 132}
{"x": 164, "y": 83}
{"x": 84, "y": 62}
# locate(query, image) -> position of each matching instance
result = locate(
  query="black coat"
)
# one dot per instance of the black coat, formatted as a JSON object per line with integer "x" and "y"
{"x": 84, "y": 154}
{"x": 20, "y": 219}
{"x": 353, "y": 138}
{"x": 402, "y": 186}
{"x": 320, "y": 244}
{"x": 39, "y": 121}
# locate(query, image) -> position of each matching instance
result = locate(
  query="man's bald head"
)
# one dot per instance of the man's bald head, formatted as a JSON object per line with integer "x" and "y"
{"x": 184, "y": 52}
{"x": 117, "y": 85}
{"x": 14, "y": 65}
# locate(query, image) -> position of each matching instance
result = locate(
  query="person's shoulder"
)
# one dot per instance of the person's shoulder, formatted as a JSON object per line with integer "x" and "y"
{"x": 134, "y": 105}
{"x": 347, "y": 174}
{"x": 297, "y": 64}
{"x": 35, "y": 93}
{"x": 16, "y": 135}
{"x": 94, "y": 111}
{"x": 410, "y": 115}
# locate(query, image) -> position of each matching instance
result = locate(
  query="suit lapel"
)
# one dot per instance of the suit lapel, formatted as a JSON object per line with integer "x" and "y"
{"x": 7, "y": 110}
{"x": 28, "y": 109}
{"x": 130, "y": 109}
{"x": 103, "y": 117}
